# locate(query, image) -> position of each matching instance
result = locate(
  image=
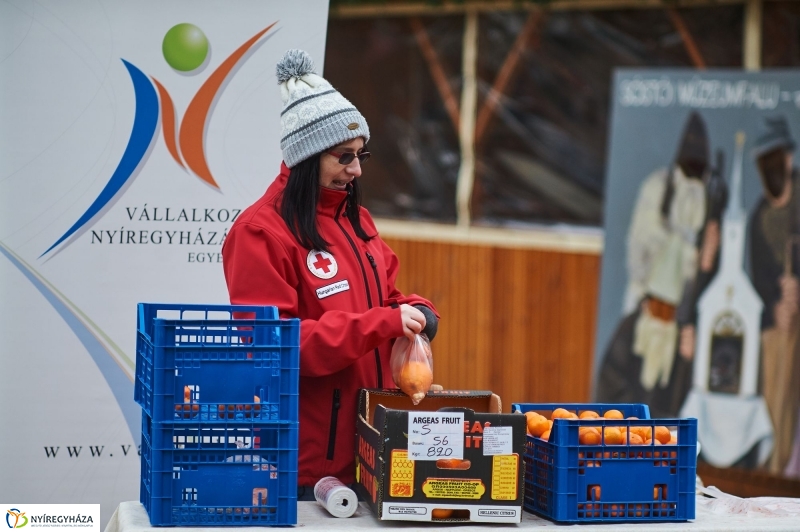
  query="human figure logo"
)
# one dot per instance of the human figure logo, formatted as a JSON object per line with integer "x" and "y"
{"x": 16, "y": 518}
{"x": 185, "y": 49}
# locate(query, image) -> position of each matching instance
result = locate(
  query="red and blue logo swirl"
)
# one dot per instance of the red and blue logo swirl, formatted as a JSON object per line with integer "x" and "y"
{"x": 185, "y": 48}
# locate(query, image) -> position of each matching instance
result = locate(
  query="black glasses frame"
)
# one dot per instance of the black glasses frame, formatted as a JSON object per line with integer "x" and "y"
{"x": 347, "y": 157}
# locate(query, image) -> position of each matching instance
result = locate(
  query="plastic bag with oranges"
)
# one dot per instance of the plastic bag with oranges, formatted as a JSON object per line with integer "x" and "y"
{"x": 412, "y": 366}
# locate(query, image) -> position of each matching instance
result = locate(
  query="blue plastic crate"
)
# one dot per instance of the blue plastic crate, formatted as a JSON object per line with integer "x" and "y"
{"x": 239, "y": 476}
{"x": 570, "y": 482}
{"x": 197, "y": 363}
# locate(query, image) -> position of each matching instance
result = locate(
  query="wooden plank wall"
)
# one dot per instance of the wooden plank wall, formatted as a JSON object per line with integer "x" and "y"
{"x": 519, "y": 322}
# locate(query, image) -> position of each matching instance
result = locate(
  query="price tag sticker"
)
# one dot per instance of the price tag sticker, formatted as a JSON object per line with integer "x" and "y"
{"x": 435, "y": 435}
{"x": 497, "y": 440}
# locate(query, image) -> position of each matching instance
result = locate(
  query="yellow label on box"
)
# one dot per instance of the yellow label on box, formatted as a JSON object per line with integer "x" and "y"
{"x": 505, "y": 468}
{"x": 453, "y": 488}
{"x": 401, "y": 478}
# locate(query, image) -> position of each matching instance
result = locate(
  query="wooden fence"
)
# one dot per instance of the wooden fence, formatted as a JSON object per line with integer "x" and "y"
{"x": 519, "y": 322}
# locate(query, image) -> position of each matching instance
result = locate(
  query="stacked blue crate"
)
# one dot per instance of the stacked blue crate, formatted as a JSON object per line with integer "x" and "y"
{"x": 219, "y": 399}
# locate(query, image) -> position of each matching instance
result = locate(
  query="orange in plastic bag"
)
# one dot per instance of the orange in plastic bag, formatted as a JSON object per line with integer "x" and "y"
{"x": 412, "y": 366}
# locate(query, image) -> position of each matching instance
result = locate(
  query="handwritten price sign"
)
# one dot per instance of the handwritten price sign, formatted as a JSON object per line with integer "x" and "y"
{"x": 435, "y": 435}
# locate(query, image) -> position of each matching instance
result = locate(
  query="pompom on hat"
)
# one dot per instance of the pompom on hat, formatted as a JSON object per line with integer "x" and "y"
{"x": 315, "y": 116}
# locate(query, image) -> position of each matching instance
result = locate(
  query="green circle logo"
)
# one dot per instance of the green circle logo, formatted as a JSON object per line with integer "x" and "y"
{"x": 185, "y": 47}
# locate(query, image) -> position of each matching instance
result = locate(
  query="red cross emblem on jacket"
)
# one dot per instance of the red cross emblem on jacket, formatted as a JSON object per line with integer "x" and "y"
{"x": 322, "y": 264}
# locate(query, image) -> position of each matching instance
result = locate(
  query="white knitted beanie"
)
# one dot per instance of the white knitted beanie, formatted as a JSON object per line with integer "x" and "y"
{"x": 315, "y": 116}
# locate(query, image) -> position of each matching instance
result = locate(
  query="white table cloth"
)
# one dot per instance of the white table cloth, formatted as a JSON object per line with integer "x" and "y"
{"x": 131, "y": 517}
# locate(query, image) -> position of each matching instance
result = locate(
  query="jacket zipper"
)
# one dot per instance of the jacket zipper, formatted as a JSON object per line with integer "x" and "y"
{"x": 377, "y": 277}
{"x": 366, "y": 287}
{"x": 334, "y": 421}
{"x": 380, "y": 300}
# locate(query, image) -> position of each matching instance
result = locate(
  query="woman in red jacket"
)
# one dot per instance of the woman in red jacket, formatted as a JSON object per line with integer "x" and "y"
{"x": 310, "y": 249}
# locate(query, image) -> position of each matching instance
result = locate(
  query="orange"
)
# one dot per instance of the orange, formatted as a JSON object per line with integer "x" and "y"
{"x": 561, "y": 413}
{"x": 588, "y": 436}
{"x": 663, "y": 434}
{"x": 673, "y": 440}
{"x": 644, "y": 432}
{"x": 453, "y": 463}
{"x": 613, "y": 414}
{"x": 186, "y": 409}
{"x": 612, "y": 436}
{"x": 537, "y": 424}
{"x": 594, "y": 493}
{"x": 415, "y": 379}
{"x": 441, "y": 513}
{"x": 635, "y": 439}
{"x": 528, "y": 416}
{"x": 546, "y": 435}
{"x": 589, "y": 414}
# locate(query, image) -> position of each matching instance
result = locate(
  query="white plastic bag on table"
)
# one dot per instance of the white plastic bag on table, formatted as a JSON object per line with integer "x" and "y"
{"x": 412, "y": 366}
{"x": 723, "y": 503}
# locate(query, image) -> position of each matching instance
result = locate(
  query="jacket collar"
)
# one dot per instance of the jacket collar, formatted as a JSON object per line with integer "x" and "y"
{"x": 329, "y": 200}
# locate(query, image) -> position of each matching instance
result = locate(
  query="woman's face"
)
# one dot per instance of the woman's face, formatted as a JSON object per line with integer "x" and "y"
{"x": 334, "y": 175}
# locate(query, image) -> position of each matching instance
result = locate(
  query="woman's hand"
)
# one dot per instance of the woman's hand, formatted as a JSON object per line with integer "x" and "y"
{"x": 413, "y": 320}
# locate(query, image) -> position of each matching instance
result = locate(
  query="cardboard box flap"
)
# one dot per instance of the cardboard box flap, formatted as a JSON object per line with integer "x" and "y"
{"x": 476, "y": 401}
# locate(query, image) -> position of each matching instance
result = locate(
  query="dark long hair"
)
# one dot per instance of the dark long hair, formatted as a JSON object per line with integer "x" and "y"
{"x": 299, "y": 205}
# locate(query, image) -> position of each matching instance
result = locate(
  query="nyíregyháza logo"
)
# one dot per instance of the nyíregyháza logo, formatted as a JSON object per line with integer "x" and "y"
{"x": 15, "y": 518}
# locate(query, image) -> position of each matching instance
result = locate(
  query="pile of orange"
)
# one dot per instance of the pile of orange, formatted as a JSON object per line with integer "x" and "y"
{"x": 539, "y": 427}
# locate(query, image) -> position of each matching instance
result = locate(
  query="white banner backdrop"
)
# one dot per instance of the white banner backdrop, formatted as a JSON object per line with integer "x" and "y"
{"x": 127, "y": 148}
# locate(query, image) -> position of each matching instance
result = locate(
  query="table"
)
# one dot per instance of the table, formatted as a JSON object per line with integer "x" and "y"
{"x": 131, "y": 517}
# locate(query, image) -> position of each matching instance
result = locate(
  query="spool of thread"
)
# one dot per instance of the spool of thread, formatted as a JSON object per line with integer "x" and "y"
{"x": 335, "y": 497}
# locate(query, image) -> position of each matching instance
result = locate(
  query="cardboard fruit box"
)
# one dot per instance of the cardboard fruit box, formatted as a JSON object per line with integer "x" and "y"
{"x": 454, "y": 457}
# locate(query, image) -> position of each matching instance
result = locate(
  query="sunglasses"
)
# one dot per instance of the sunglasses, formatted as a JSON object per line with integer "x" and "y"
{"x": 348, "y": 156}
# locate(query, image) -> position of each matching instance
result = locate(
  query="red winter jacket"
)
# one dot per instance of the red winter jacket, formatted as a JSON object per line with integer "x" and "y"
{"x": 345, "y": 303}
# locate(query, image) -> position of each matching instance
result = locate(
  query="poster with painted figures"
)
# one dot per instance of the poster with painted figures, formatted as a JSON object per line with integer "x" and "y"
{"x": 131, "y": 136}
{"x": 699, "y": 290}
